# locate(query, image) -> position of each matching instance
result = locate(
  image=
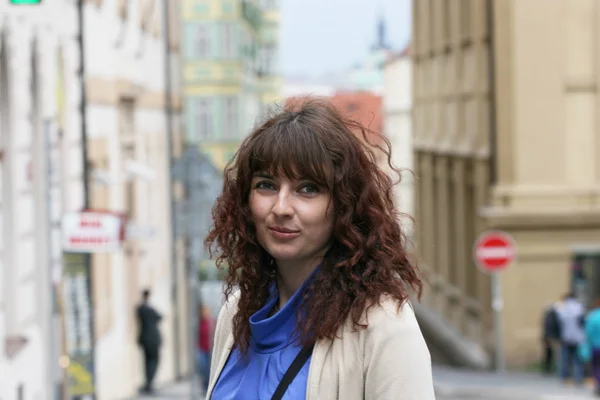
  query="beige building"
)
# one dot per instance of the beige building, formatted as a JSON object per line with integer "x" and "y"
{"x": 128, "y": 149}
{"x": 397, "y": 122}
{"x": 506, "y": 137}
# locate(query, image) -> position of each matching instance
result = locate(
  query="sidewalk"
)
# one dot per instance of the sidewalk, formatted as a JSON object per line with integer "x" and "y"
{"x": 457, "y": 383}
{"x": 175, "y": 391}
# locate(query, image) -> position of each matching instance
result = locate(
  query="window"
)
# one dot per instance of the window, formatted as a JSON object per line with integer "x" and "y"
{"x": 127, "y": 119}
{"x": 129, "y": 192}
{"x": 227, "y": 7}
{"x": 123, "y": 9}
{"x": 352, "y": 107}
{"x": 229, "y": 40}
{"x": 269, "y": 4}
{"x": 201, "y": 7}
{"x": 231, "y": 118}
{"x": 204, "y": 118}
{"x": 202, "y": 42}
{"x": 267, "y": 60}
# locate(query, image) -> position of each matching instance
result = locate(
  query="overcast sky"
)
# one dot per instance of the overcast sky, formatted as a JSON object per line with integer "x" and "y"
{"x": 322, "y": 36}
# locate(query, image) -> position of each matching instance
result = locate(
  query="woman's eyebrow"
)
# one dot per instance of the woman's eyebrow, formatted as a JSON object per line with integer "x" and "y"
{"x": 262, "y": 174}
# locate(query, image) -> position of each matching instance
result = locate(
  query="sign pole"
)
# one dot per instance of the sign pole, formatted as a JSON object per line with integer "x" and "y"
{"x": 192, "y": 267}
{"x": 494, "y": 252}
{"x": 497, "y": 306}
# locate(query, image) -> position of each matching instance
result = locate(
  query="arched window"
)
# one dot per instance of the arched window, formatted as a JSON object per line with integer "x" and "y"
{"x": 232, "y": 117}
{"x": 123, "y": 9}
{"x": 202, "y": 42}
{"x": 204, "y": 118}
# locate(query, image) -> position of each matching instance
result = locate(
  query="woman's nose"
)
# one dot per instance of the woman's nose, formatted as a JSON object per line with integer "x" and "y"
{"x": 283, "y": 205}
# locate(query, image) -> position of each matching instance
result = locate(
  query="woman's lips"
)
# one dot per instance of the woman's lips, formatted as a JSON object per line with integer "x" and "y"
{"x": 283, "y": 233}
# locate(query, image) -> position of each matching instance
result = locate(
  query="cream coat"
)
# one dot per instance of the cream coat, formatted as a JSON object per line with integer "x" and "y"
{"x": 388, "y": 360}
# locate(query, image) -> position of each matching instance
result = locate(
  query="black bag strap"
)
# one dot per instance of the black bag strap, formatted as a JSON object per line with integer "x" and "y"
{"x": 292, "y": 371}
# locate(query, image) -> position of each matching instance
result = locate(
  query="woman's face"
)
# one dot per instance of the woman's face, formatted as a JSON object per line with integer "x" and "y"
{"x": 292, "y": 217}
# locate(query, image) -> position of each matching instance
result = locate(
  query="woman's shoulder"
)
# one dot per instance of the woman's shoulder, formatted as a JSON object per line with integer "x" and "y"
{"x": 230, "y": 306}
{"x": 390, "y": 312}
{"x": 388, "y": 320}
{"x": 224, "y": 324}
{"x": 393, "y": 352}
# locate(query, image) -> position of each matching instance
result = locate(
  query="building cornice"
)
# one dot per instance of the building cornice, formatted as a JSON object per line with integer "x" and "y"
{"x": 530, "y": 219}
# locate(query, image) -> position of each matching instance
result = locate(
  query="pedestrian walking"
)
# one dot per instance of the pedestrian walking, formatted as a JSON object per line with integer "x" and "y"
{"x": 592, "y": 333}
{"x": 318, "y": 276}
{"x": 550, "y": 337}
{"x": 149, "y": 339}
{"x": 204, "y": 347}
{"x": 571, "y": 315}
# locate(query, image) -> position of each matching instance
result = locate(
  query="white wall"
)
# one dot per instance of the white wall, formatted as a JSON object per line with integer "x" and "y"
{"x": 26, "y": 267}
{"x": 397, "y": 105}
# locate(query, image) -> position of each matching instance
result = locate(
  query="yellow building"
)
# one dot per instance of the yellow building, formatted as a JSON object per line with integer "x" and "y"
{"x": 223, "y": 87}
{"x": 269, "y": 73}
{"x": 506, "y": 137}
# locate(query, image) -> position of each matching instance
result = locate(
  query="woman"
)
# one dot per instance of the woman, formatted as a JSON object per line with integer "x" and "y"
{"x": 592, "y": 334}
{"x": 308, "y": 230}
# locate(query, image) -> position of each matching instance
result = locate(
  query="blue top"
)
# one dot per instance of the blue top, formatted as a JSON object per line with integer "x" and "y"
{"x": 592, "y": 328}
{"x": 272, "y": 350}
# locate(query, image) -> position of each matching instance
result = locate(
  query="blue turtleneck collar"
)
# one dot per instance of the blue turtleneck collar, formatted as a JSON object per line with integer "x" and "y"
{"x": 269, "y": 334}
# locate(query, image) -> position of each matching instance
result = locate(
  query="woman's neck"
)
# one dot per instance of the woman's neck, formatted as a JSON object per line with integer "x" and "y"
{"x": 290, "y": 276}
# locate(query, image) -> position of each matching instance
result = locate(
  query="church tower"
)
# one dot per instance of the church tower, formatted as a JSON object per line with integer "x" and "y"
{"x": 381, "y": 43}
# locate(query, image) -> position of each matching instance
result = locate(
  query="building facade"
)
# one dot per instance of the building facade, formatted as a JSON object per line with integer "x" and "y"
{"x": 45, "y": 306}
{"x": 269, "y": 71}
{"x": 368, "y": 74}
{"x": 226, "y": 67}
{"x": 506, "y": 137}
{"x": 131, "y": 118}
{"x": 41, "y": 178}
{"x": 397, "y": 127}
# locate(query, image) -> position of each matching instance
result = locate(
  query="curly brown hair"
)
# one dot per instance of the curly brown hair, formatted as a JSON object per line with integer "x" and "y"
{"x": 368, "y": 257}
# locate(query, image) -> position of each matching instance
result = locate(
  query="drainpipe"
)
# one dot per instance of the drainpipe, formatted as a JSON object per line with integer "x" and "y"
{"x": 83, "y": 104}
{"x": 86, "y": 174}
{"x": 492, "y": 92}
{"x": 170, "y": 146}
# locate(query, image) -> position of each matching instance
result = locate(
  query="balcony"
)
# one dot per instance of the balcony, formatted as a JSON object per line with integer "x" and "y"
{"x": 252, "y": 14}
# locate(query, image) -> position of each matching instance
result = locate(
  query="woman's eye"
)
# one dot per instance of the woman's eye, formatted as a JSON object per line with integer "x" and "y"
{"x": 310, "y": 189}
{"x": 264, "y": 185}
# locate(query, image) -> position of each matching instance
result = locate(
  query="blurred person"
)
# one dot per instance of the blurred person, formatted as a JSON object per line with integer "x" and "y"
{"x": 571, "y": 314}
{"x": 318, "y": 276}
{"x": 550, "y": 337}
{"x": 149, "y": 339}
{"x": 592, "y": 333}
{"x": 204, "y": 346}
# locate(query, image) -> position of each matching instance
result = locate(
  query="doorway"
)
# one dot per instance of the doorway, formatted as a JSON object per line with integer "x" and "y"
{"x": 585, "y": 273}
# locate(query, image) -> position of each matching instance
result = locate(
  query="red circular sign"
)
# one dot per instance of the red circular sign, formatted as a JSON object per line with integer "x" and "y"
{"x": 494, "y": 251}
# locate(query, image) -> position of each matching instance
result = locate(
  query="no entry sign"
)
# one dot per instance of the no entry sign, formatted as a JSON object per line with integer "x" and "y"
{"x": 494, "y": 251}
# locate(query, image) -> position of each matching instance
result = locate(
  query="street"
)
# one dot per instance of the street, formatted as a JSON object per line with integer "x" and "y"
{"x": 176, "y": 391}
{"x": 456, "y": 384}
